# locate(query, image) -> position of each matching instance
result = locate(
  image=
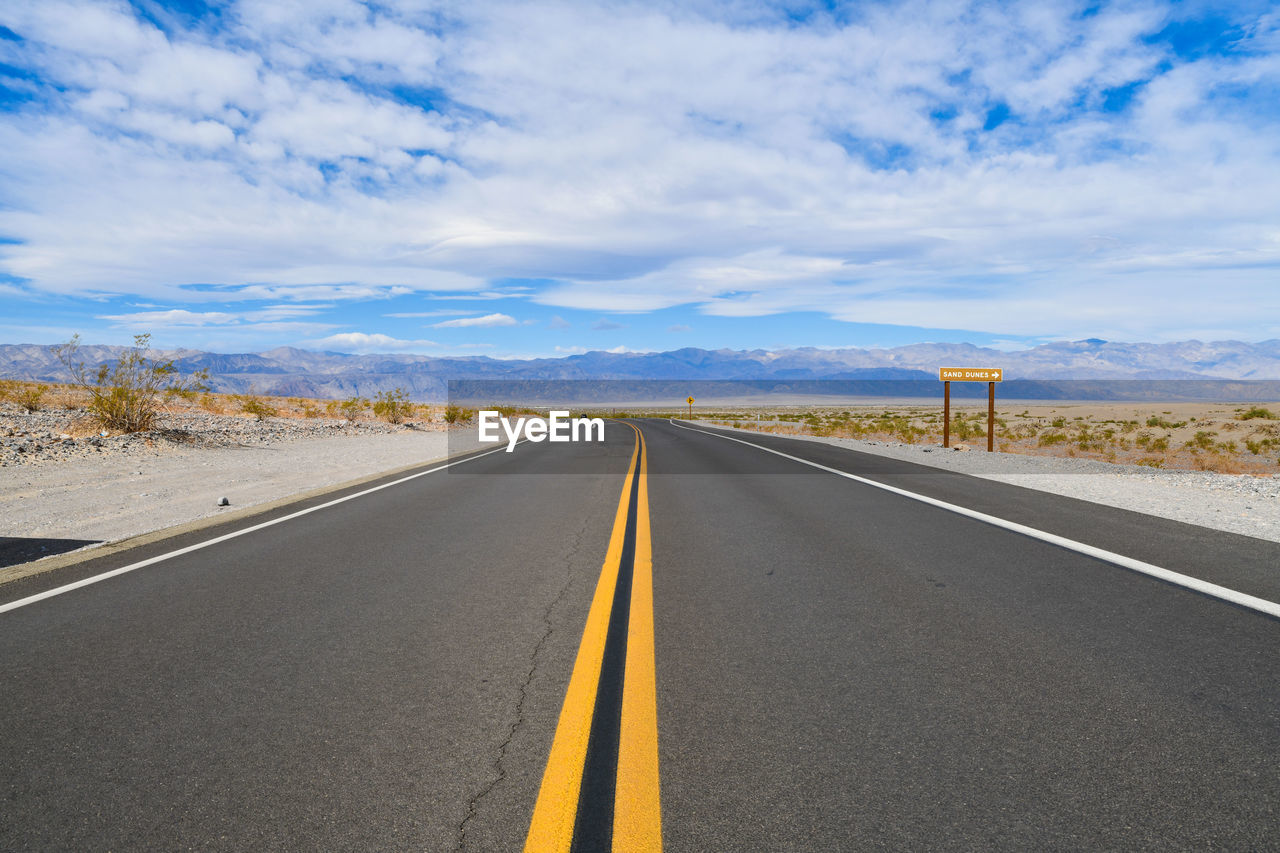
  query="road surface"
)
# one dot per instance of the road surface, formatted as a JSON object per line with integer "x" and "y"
{"x": 687, "y": 641}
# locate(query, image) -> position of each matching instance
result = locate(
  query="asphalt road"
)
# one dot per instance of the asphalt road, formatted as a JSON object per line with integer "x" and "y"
{"x": 837, "y": 667}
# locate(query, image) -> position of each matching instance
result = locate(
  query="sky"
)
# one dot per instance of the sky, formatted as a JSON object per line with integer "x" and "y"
{"x": 533, "y": 179}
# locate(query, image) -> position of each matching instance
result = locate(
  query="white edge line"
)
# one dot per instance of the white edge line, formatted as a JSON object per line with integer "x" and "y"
{"x": 50, "y": 593}
{"x": 1262, "y": 605}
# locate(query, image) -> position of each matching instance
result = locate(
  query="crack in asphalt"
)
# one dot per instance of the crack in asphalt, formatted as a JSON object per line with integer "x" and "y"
{"x": 499, "y": 764}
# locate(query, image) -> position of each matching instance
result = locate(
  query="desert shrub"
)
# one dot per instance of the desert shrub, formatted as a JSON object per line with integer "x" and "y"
{"x": 1051, "y": 438}
{"x": 1203, "y": 440}
{"x": 256, "y": 407}
{"x": 1157, "y": 421}
{"x": 1059, "y": 423}
{"x": 392, "y": 406}
{"x": 311, "y": 410}
{"x": 187, "y": 394}
{"x": 1218, "y": 462}
{"x": 29, "y": 398}
{"x": 1258, "y": 412}
{"x": 128, "y": 396}
{"x": 352, "y": 407}
{"x": 1151, "y": 462}
{"x": 964, "y": 429}
{"x": 452, "y": 413}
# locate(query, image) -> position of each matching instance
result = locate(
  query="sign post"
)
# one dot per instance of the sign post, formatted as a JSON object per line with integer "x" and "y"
{"x": 989, "y": 375}
{"x": 946, "y": 413}
{"x": 690, "y": 402}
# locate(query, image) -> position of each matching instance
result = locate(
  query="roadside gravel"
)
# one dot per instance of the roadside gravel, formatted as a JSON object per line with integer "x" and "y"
{"x": 1236, "y": 503}
{"x": 105, "y": 488}
{"x": 60, "y": 435}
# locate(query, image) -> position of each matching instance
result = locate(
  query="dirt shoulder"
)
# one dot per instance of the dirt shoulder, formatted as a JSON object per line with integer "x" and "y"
{"x": 62, "y": 492}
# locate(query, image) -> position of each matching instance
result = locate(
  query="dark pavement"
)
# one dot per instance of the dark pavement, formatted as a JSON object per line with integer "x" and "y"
{"x": 838, "y": 668}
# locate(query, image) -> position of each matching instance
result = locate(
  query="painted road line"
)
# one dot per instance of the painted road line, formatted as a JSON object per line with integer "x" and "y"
{"x": 637, "y": 816}
{"x": 151, "y": 561}
{"x": 552, "y": 827}
{"x": 1236, "y": 597}
{"x": 600, "y": 787}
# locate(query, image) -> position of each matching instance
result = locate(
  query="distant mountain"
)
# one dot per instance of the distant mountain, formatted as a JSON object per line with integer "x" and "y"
{"x": 286, "y": 371}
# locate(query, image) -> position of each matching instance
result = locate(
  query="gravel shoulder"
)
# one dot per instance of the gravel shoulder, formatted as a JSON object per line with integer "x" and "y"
{"x": 1236, "y": 503}
{"x": 102, "y": 489}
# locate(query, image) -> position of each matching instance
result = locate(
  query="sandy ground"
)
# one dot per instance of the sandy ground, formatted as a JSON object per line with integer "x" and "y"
{"x": 110, "y": 498}
{"x": 1224, "y": 437}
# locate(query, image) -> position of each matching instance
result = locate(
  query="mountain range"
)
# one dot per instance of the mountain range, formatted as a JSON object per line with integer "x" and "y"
{"x": 287, "y": 371}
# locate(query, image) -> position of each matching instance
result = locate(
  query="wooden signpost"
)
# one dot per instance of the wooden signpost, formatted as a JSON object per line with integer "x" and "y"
{"x": 989, "y": 375}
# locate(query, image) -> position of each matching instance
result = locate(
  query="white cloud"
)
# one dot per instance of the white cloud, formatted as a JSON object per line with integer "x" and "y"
{"x": 361, "y": 342}
{"x": 633, "y": 157}
{"x": 237, "y": 330}
{"x": 484, "y": 295}
{"x": 487, "y": 321}
{"x": 169, "y": 319}
{"x": 443, "y": 312}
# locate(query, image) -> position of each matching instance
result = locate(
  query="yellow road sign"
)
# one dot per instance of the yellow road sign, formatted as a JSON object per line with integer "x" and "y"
{"x": 971, "y": 374}
{"x": 689, "y": 401}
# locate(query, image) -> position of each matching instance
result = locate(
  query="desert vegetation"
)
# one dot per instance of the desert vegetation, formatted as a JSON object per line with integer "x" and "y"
{"x": 1205, "y": 437}
{"x": 128, "y": 396}
{"x": 392, "y": 406}
{"x": 136, "y": 404}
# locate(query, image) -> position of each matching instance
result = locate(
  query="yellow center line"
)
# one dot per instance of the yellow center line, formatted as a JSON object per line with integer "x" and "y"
{"x": 551, "y": 828}
{"x": 637, "y": 816}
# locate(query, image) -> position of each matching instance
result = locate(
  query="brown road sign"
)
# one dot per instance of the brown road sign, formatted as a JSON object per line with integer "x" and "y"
{"x": 971, "y": 374}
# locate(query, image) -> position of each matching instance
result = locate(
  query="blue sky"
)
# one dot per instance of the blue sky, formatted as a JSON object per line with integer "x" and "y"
{"x": 534, "y": 179}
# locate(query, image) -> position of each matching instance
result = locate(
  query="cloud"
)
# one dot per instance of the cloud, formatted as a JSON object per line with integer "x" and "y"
{"x": 487, "y": 321}
{"x": 643, "y": 156}
{"x": 170, "y": 319}
{"x": 605, "y": 326}
{"x": 558, "y": 322}
{"x": 443, "y": 312}
{"x": 512, "y": 293}
{"x": 360, "y": 342}
{"x": 679, "y": 327}
{"x": 273, "y": 318}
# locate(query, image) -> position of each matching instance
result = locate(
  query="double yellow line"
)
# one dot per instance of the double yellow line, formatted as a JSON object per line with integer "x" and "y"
{"x": 637, "y": 817}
